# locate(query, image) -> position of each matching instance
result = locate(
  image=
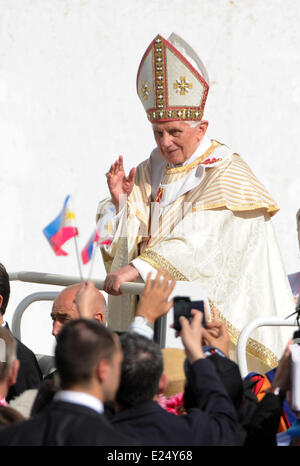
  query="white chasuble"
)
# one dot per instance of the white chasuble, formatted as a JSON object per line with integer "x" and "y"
{"x": 212, "y": 226}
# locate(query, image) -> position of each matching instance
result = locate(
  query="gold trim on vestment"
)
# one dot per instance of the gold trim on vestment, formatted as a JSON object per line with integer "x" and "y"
{"x": 256, "y": 349}
{"x": 253, "y": 347}
{"x": 246, "y": 207}
{"x": 190, "y": 166}
{"x": 159, "y": 262}
{"x": 230, "y": 189}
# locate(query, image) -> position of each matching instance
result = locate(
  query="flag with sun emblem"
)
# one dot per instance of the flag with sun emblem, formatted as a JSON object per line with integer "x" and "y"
{"x": 61, "y": 229}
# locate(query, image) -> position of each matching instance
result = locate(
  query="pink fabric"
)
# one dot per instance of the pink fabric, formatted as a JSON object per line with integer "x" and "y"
{"x": 3, "y": 402}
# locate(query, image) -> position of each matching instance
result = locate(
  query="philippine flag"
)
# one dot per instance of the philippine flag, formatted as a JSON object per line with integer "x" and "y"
{"x": 99, "y": 237}
{"x": 61, "y": 229}
{"x": 87, "y": 252}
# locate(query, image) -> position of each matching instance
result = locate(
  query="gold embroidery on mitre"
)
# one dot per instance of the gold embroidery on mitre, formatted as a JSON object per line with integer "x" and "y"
{"x": 182, "y": 86}
{"x": 162, "y": 109}
{"x": 145, "y": 90}
{"x": 159, "y": 75}
{"x": 183, "y": 114}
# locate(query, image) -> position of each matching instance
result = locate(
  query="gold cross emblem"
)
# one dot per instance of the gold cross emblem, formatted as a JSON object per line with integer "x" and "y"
{"x": 182, "y": 86}
{"x": 145, "y": 90}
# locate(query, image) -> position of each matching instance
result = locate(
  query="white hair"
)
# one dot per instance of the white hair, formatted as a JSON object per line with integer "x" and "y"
{"x": 192, "y": 124}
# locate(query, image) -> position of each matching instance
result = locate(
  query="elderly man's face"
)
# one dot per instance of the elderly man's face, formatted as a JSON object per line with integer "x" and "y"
{"x": 177, "y": 141}
{"x": 64, "y": 308}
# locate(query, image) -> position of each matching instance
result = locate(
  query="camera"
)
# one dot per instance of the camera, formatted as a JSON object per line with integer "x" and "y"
{"x": 183, "y": 306}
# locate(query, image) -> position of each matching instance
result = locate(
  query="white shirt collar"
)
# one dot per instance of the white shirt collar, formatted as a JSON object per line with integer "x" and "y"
{"x": 80, "y": 398}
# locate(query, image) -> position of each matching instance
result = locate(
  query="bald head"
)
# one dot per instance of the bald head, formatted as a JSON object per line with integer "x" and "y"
{"x": 65, "y": 309}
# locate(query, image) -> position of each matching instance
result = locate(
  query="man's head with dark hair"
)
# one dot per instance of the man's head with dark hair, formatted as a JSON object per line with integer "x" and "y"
{"x": 4, "y": 289}
{"x": 141, "y": 370}
{"x": 88, "y": 354}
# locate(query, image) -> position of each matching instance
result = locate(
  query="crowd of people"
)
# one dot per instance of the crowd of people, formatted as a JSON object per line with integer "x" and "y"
{"x": 104, "y": 386}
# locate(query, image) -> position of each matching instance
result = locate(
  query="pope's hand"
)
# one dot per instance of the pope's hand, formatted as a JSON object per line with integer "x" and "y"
{"x": 119, "y": 185}
{"x": 114, "y": 280}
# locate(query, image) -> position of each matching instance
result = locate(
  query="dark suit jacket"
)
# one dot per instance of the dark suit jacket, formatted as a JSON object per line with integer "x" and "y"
{"x": 258, "y": 420}
{"x": 62, "y": 423}
{"x": 213, "y": 422}
{"x": 263, "y": 426}
{"x": 29, "y": 375}
{"x": 228, "y": 372}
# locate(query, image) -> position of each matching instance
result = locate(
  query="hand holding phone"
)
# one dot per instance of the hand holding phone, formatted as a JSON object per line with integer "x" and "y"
{"x": 183, "y": 306}
{"x": 191, "y": 336}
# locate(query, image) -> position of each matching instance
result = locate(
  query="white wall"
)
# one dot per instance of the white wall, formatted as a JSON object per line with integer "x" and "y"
{"x": 68, "y": 108}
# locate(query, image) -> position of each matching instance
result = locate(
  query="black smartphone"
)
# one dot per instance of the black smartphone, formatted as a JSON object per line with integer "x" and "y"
{"x": 183, "y": 306}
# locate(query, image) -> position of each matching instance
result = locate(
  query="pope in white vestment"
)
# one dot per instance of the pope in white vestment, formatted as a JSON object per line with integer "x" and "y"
{"x": 195, "y": 209}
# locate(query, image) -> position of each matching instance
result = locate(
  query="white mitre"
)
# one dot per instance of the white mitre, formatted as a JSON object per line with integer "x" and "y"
{"x": 172, "y": 81}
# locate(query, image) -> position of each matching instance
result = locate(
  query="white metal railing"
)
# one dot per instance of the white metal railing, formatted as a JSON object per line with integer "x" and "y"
{"x": 24, "y": 304}
{"x": 246, "y": 332}
{"x": 134, "y": 288}
{"x": 66, "y": 280}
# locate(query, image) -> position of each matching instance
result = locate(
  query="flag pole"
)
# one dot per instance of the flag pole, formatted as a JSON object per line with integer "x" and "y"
{"x": 78, "y": 258}
{"x": 76, "y": 247}
{"x": 95, "y": 245}
{"x": 97, "y": 234}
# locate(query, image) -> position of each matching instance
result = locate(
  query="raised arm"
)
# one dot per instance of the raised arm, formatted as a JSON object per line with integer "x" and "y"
{"x": 118, "y": 184}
